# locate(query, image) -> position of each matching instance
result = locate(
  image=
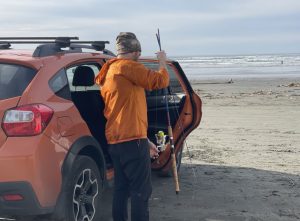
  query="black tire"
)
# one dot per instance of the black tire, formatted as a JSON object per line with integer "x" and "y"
{"x": 178, "y": 164}
{"x": 83, "y": 191}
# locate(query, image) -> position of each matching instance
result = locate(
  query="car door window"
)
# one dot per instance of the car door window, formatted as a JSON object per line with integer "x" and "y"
{"x": 174, "y": 86}
{"x": 155, "y": 98}
{"x": 156, "y": 101}
{"x": 59, "y": 85}
{"x": 70, "y": 74}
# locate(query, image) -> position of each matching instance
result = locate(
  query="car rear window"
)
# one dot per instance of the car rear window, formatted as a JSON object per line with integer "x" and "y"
{"x": 14, "y": 79}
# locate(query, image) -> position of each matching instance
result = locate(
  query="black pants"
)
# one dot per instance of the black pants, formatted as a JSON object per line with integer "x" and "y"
{"x": 132, "y": 167}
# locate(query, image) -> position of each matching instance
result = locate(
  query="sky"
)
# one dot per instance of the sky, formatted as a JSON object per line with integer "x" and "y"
{"x": 187, "y": 27}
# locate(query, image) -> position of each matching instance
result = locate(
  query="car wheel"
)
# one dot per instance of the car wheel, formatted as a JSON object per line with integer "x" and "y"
{"x": 84, "y": 191}
{"x": 178, "y": 164}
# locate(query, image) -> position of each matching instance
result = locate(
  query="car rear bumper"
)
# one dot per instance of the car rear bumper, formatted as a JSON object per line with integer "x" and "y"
{"x": 35, "y": 161}
{"x": 28, "y": 205}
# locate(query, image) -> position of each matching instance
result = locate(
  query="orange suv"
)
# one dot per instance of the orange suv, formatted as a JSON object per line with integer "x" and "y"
{"x": 53, "y": 151}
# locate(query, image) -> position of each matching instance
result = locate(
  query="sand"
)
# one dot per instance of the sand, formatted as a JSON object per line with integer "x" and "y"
{"x": 242, "y": 163}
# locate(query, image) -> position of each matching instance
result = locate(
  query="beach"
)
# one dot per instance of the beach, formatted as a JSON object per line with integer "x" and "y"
{"x": 242, "y": 162}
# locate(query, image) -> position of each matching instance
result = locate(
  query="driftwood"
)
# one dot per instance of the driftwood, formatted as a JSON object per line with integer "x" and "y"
{"x": 226, "y": 82}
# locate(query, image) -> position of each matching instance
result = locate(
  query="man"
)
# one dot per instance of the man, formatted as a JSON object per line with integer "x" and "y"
{"x": 123, "y": 82}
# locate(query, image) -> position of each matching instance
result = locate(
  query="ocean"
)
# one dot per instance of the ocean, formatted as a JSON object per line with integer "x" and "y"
{"x": 241, "y": 66}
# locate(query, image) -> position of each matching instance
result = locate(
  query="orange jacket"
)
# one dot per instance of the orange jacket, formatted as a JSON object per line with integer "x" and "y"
{"x": 122, "y": 85}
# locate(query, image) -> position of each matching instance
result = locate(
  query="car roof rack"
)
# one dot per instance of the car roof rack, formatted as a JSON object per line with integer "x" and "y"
{"x": 53, "y": 45}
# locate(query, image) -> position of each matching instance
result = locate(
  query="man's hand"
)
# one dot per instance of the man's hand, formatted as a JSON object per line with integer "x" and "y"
{"x": 153, "y": 150}
{"x": 162, "y": 57}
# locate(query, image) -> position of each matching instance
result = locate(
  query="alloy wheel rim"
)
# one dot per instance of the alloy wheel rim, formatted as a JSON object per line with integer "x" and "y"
{"x": 84, "y": 194}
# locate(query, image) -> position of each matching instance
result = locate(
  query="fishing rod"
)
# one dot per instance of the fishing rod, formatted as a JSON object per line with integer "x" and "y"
{"x": 170, "y": 132}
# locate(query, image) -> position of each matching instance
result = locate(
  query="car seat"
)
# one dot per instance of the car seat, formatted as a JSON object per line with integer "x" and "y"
{"x": 90, "y": 104}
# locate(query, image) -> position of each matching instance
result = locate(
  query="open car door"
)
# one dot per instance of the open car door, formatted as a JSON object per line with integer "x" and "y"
{"x": 184, "y": 109}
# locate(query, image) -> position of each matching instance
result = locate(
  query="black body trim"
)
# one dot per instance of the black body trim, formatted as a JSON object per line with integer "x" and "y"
{"x": 76, "y": 149}
{"x": 28, "y": 206}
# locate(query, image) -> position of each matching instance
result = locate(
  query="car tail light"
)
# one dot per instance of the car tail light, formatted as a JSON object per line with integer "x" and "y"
{"x": 26, "y": 120}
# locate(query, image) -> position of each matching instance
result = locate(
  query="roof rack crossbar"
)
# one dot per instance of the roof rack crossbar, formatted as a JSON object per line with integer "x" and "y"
{"x": 91, "y": 42}
{"x": 36, "y": 38}
{"x": 48, "y": 42}
{"x": 75, "y": 46}
{"x": 95, "y": 45}
{"x": 27, "y": 42}
{"x": 52, "y": 45}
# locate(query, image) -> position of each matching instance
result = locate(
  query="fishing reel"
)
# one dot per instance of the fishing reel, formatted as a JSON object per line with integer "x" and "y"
{"x": 161, "y": 140}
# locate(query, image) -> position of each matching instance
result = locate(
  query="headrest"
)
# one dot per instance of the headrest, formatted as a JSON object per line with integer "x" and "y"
{"x": 83, "y": 76}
